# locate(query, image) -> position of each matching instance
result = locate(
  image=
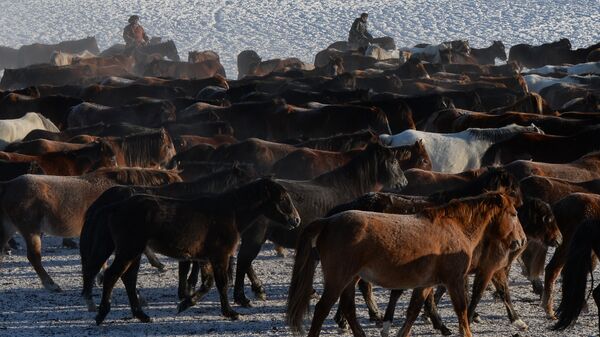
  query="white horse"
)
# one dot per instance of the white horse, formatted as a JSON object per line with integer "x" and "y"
{"x": 12, "y": 130}
{"x": 457, "y": 152}
{"x": 577, "y": 69}
{"x": 59, "y": 58}
{"x": 378, "y": 53}
{"x": 536, "y": 83}
{"x": 430, "y": 53}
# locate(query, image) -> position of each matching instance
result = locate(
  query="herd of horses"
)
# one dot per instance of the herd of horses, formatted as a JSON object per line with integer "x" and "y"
{"x": 404, "y": 168}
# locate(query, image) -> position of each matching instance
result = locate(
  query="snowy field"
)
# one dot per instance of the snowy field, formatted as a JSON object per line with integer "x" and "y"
{"x": 26, "y": 309}
{"x": 299, "y": 28}
{"x": 274, "y": 29}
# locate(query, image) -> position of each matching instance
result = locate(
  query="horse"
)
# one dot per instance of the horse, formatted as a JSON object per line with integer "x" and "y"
{"x": 306, "y": 164}
{"x": 374, "y": 168}
{"x": 249, "y": 63}
{"x": 12, "y": 130}
{"x": 490, "y": 54}
{"x": 531, "y": 103}
{"x": 457, "y": 152}
{"x": 214, "y": 221}
{"x": 569, "y": 212}
{"x": 217, "y": 182}
{"x": 537, "y": 56}
{"x": 543, "y": 148}
{"x": 384, "y": 42}
{"x": 40, "y": 53}
{"x": 150, "y": 114}
{"x": 409, "y": 254}
{"x": 260, "y": 153}
{"x": 578, "y": 264}
{"x": 586, "y": 167}
{"x": 53, "y": 107}
{"x": 59, "y": 58}
{"x": 201, "y": 56}
{"x": 342, "y": 142}
{"x": 71, "y": 162}
{"x": 184, "y": 70}
{"x": 33, "y": 204}
{"x": 150, "y": 149}
{"x": 10, "y": 170}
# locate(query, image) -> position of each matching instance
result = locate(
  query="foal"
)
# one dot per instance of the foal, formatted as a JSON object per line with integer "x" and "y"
{"x": 202, "y": 229}
{"x": 398, "y": 252}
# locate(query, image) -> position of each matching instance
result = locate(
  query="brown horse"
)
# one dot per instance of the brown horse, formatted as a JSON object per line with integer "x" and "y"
{"x": 398, "y": 252}
{"x": 260, "y": 153}
{"x": 304, "y": 164}
{"x": 569, "y": 212}
{"x": 32, "y": 205}
{"x": 579, "y": 263}
{"x": 166, "y": 226}
{"x": 585, "y": 168}
{"x": 151, "y": 149}
{"x": 70, "y": 163}
{"x": 249, "y": 63}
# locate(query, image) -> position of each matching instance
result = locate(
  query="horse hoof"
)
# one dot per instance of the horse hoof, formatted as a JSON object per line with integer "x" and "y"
{"x": 477, "y": 318}
{"x": 538, "y": 287}
{"x": 232, "y": 315}
{"x": 519, "y": 324}
{"x": 100, "y": 317}
{"x": 70, "y": 244}
{"x": 185, "y": 304}
{"x": 142, "y": 317}
{"x": 445, "y": 331}
{"x": 91, "y": 306}
{"x": 52, "y": 287}
{"x": 385, "y": 331}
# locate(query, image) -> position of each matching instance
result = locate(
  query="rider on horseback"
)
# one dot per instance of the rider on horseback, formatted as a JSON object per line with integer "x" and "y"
{"x": 134, "y": 34}
{"x": 359, "y": 35}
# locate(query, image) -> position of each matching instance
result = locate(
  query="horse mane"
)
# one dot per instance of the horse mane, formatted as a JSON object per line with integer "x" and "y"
{"x": 469, "y": 210}
{"x": 499, "y": 134}
{"x": 48, "y": 125}
{"x": 139, "y": 149}
{"x": 135, "y": 176}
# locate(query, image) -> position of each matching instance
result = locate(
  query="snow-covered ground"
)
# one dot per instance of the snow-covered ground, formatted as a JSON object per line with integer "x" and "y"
{"x": 26, "y": 309}
{"x": 299, "y": 28}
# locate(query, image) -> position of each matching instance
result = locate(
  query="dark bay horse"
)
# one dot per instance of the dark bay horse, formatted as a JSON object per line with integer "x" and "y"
{"x": 199, "y": 229}
{"x": 374, "y": 168}
{"x": 397, "y": 252}
{"x": 579, "y": 262}
{"x": 33, "y": 204}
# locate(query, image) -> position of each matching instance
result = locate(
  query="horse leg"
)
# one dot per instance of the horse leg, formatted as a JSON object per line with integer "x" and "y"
{"x": 348, "y": 307}
{"x": 183, "y": 287}
{"x": 482, "y": 279}
{"x": 69, "y": 243}
{"x": 34, "y": 255}
{"x": 89, "y": 270}
{"x": 322, "y": 308}
{"x": 153, "y": 260}
{"x": 552, "y": 272}
{"x": 534, "y": 260}
{"x": 596, "y": 295}
{"x": 256, "y": 284}
{"x": 207, "y": 282}
{"x": 220, "y": 265}
{"x": 433, "y": 314}
{"x": 129, "y": 279}
{"x": 366, "y": 289}
{"x": 414, "y": 308}
{"x": 252, "y": 241}
{"x": 388, "y": 317}
{"x": 500, "y": 281}
{"x": 111, "y": 275}
{"x": 230, "y": 270}
{"x": 456, "y": 290}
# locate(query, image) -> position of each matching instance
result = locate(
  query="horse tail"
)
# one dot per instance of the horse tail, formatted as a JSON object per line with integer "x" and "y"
{"x": 577, "y": 267}
{"x": 301, "y": 286}
{"x": 95, "y": 244}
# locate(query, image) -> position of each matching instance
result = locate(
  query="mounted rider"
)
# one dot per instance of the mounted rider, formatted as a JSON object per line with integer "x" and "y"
{"x": 134, "y": 34}
{"x": 359, "y": 36}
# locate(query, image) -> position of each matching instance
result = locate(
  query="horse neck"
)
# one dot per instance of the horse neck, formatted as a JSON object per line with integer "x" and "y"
{"x": 356, "y": 178}
{"x": 246, "y": 202}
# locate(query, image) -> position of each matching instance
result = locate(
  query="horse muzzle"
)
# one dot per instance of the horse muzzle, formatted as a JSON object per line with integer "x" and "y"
{"x": 294, "y": 221}
{"x": 555, "y": 242}
{"x": 517, "y": 244}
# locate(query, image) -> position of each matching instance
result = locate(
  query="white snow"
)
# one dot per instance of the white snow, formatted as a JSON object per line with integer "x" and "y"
{"x": 299, "y": 28}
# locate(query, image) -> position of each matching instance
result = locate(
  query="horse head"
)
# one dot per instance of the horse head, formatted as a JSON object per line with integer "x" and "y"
{"x": 280, "y": 206}
{"x": 389, "y": 171}
{"x": 539, "y": 222}
{"x": 499, "y": 50}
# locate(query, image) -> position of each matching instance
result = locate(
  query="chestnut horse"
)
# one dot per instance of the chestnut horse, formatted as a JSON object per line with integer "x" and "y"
{"x": 166, "y": 226}
{"x": 398, "y": 252}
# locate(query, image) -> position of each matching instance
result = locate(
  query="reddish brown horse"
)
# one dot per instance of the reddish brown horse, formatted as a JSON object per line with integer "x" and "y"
{"x": 398, "y": 252}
